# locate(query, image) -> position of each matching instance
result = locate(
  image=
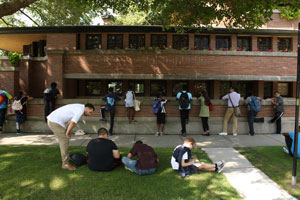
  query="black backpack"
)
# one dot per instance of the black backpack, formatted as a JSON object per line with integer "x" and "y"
{"x": 184, "y": 100}
{"x": 78, "y": 159}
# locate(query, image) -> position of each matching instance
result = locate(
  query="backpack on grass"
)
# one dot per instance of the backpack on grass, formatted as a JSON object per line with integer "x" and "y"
{"x": 156, "y": 106}
{"x": 78, "y": 159}
{"x": 255, "y": 104}
{"x": 184, "y": 100}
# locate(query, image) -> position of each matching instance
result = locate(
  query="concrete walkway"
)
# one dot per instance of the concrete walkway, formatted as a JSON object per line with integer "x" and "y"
{"x": 249, "y": 181}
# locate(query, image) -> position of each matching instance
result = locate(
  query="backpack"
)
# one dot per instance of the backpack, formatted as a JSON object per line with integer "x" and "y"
{"x": 184, "y": 101}
{"x": 17, "y": 105}
{"x": 255, "y": 104}
{"x": 156, "y": 106}
{"x": 78, "y": 159}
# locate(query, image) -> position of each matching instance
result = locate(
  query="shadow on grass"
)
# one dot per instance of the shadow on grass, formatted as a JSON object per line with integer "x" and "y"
{"x": 34, "y": 172}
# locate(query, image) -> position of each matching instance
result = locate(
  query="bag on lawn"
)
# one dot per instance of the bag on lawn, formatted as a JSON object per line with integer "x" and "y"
{"x": 78, "y": 159}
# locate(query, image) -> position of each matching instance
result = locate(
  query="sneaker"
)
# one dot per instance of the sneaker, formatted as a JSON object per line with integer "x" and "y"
{"x": 183, "y": 134}
{"x": 157, "y": 134}
{"x": 234, "y": 134}
{"x": 161, "y": 134}
{"x": 222, "y": 133}
{"x": 19, "y": 133}
{"x": 251, "y": 134}
{"x": 79, "y": 132}
{"x": 285, "y": 150}
{"x": 220, "y": 166}
{"x": 102, "y": 120}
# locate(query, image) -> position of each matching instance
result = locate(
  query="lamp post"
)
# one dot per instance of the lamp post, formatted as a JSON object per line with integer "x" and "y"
{"x": 294, "y": 177}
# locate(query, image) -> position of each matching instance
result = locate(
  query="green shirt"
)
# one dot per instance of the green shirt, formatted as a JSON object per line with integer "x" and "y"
{"x": 204, "y": 109}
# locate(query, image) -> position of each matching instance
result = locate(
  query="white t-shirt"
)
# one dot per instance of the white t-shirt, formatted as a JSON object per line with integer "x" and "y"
{"x": 129, "y": 99}
{"x": 175, "y": 165}
{"x": 62, "y": 115}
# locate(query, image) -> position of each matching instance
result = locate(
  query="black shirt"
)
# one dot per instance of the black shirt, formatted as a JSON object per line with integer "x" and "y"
{"x": 50, "y": 94}
{"x": 100, "y": 156}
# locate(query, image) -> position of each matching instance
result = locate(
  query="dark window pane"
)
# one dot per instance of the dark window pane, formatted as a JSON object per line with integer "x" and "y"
{"x": 224, "y": 88}
{"x": 268, "y": 90}
{"x": 159, "y": 40}
{"x": 200, "y": 86}
{"x": 115, "y": 41}
{"x": 117, "y": 87}
{"x": 177, "y": 86}
{"x": 93, "y": 41}
{"x": 285, "y": 44}
{"x": 93, "y": 88}
{"x": 136, "y": 41}
{"x": 201, "y": 42}
{"x": 158, "y": 87}
{"x": 223, "y": 43}
{"x": 138, "y": 87}
{"x": 244, "y": 44}
{"x": 180, "y": 41}
{"x": 264, "y": 43}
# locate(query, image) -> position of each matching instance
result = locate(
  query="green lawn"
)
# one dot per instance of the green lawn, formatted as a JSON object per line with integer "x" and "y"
{"x": 276, "y": 164}
{"x": 34, "y": 172}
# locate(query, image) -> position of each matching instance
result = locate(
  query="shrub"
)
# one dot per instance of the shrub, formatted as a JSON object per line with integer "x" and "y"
{"x": 14, "y": 58}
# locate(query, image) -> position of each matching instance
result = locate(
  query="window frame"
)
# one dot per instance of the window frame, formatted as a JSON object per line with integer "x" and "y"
{"x": 161, "y": 82}
{"x": 270, "y": 45}
{"x": 114, "y": 43}
{"x": 117, "y": 93}
{"x": 136, "y": 46}
{"x": 184, "y": 37}
{"x": 137, "y": 82}
{"x": 87, "y": 41}
{"x": 223, "y": 38}
{"x": 161, "y": 46}
{"x": 290, "y": 47}
{"x": 201, "y": 36}
{"x": 243, "y": 38}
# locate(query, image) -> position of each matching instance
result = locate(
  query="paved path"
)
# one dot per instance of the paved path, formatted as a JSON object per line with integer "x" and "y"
{"x": 249, "y": 181}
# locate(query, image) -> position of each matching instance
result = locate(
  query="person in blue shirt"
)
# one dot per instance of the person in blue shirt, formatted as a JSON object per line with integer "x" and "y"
{"x": 289, "y": 140}
{"x": 184, "y": 99}
{"x": 111, "y": 98}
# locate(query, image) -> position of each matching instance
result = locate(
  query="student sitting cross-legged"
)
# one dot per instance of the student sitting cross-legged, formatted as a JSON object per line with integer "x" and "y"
{"x": 146, "y": 159}
{"x": 186, "y": 165}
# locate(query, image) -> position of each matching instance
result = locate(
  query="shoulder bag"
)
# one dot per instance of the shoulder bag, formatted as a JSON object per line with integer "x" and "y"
{"x": 237, "y": 111}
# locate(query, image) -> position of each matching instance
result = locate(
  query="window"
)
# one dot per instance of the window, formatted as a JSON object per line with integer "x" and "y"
{"x": 268, "y": 90}
{"x": 223, "y": 43}
{"x": 177, "y": 86}
{"x": 244, "y": 44}
{"x": 224, "y": 88}
{"x": 93, "y": 41}
{"x": 158, "y": 87}
{"x": 180, "y": 41}
{"x": 138, "y": 87}
{"x": 117, "y": 87}
{"x": 264, "y": 43}
{"x": 136, "y": 41}
{"x": 201, "y": 42}
{"x": 159, "y": 40}
{"x": 285, "y": 44}
{"x": 115, "y": 41}
{"x": 284, "y": 89}
{"x": 200, "y": 86}
{"x": 93, "y": 88}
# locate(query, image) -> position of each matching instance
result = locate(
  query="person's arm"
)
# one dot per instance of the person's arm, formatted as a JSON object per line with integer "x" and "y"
{"x": 29, "y": 98}
{"x": 69, "y": 129}
{"x": 286, "y": 134}
{"x": 184, "y": 164}
{"x": 225, "y": 97}
{"x": 116, "y": 154}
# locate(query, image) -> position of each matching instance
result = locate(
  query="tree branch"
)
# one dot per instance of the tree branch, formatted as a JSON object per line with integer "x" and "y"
{"x": 29, "y": 17}
{"x": 7, "y": 24}
{"x": 12, "y": 6}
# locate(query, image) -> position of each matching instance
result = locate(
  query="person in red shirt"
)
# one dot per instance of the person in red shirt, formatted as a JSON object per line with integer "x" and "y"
{"x": 146, "y": 159}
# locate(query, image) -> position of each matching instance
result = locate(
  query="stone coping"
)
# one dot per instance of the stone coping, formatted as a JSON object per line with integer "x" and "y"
{"x": 9, "y": 69}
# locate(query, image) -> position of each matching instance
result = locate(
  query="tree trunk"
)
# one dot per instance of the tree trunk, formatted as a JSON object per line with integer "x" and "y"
{"x": 12, "y": 6}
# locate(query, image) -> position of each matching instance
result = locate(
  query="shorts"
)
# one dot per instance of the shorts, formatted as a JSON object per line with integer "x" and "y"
{"x": 20, "y": 118}
{"x": 161, "y": 118}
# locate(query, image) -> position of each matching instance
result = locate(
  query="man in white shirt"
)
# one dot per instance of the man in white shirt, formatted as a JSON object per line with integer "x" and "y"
{"x": 61, "y": 122}
{"x": 233, "y": 99}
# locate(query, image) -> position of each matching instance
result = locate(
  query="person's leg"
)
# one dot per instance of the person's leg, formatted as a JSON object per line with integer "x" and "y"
{"x": 278, "y": 122}
{"x": 162, "y": 128}
{"x": 128, "y": 114}
{"x": 132, "y": 114}
{"x": 183, "y": 116}
{"x": 250, "y": 122}
{"x": 227, "y": 116}
{"x": 207, "y": 167}
{"x": 63, "y": 141}
{"x": 52, "y": 105}
{"x": 187, "y": 116}
{"x": 130, "y": 164}
{"x": 112, "y": 118}
{"x": 203, "y": 124}
{"x": 289, "y": 142}
{"x": 2, "y": 118}
{"x": 146, "y": 171}
{"x": 102, "y": 112}
{"x": 46, "y": 109}
{"x": 235, "y": 123}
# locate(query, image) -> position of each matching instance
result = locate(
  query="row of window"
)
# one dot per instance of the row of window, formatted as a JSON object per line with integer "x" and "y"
{"x": 100, "y": 87}
{"x": 201, "y": 42}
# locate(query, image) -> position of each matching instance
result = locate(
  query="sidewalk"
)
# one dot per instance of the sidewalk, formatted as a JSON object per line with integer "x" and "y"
{"x": 249, "y": 181}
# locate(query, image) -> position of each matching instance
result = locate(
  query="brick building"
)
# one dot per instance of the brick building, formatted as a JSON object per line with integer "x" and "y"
{"x": 86, "y": 60}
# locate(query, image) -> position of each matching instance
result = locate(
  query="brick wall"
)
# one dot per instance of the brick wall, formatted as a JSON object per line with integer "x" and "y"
{"x": 9, "y": 81}
{"x": 61, "y": 41}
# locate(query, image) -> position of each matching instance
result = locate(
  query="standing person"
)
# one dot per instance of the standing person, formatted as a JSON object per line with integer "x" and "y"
{"x": 186, "y": 164}
{"x": 277, "y": 101}
{"x": 111, "y": 99}
{"x": 21, "y": 115}
{"x": 103, "y": 154}
{"x": 290, "y": 142}
{"x": 61, "y": 122}
{"x": 253, "y": 108}
{"x": 161, "y": 116}
{"x": 50, "y": 95}
{"x": 146, "y": 159}
{"x": 204, "y": 112}
{"x": 129, "y": 104}
{"x": 184, "y": 98}
{"x": 4, "y": 98}
{"x": 233, "y": 99}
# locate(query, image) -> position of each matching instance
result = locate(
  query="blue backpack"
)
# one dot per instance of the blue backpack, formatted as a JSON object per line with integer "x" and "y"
{"x": 156, "y": 106}
{"x": 255, "y": 104}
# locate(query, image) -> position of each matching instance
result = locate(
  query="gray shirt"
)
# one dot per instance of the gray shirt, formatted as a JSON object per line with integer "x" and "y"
{"x": 279, "y": 108}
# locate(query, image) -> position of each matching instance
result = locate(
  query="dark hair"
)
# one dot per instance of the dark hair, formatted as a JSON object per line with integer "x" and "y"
{"x": 130, "y": 87}
{"x": 234, "y": 88}
{"x": 277, "y": 92}
{"x": 139, "y": 142}
{"x": 184, "y": 87}
{"x": 19, "y": 96}
{"x": 89, "y": 105}
{"x": 53, "y": 85}
{"x": 206, "y": 98}
{"x": 158, "y": 95}
{"x": 102, "y": 131}
{"x": 111, "y": 89}
{"x": 249, "y": 93}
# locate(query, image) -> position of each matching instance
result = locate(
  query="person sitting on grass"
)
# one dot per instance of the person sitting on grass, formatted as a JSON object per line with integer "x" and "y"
{"x": 103, "y": 154}
{"x": 289, "y": 140}
{"x": 146, "y": 159}
{"x": 183, "y": 161}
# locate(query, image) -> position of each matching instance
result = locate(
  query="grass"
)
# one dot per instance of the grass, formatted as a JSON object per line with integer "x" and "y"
{"x": 276, "y": 164}
{"x": 34, "y": 172}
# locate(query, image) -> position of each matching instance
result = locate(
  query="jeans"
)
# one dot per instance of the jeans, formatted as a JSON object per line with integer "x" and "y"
{"x": 131, "y": 165}
{"x": 183, "y": 117}
{"x": 252, "y": 118}
{"x": 112, "y": 117}
{"x": 277, "y": 118}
